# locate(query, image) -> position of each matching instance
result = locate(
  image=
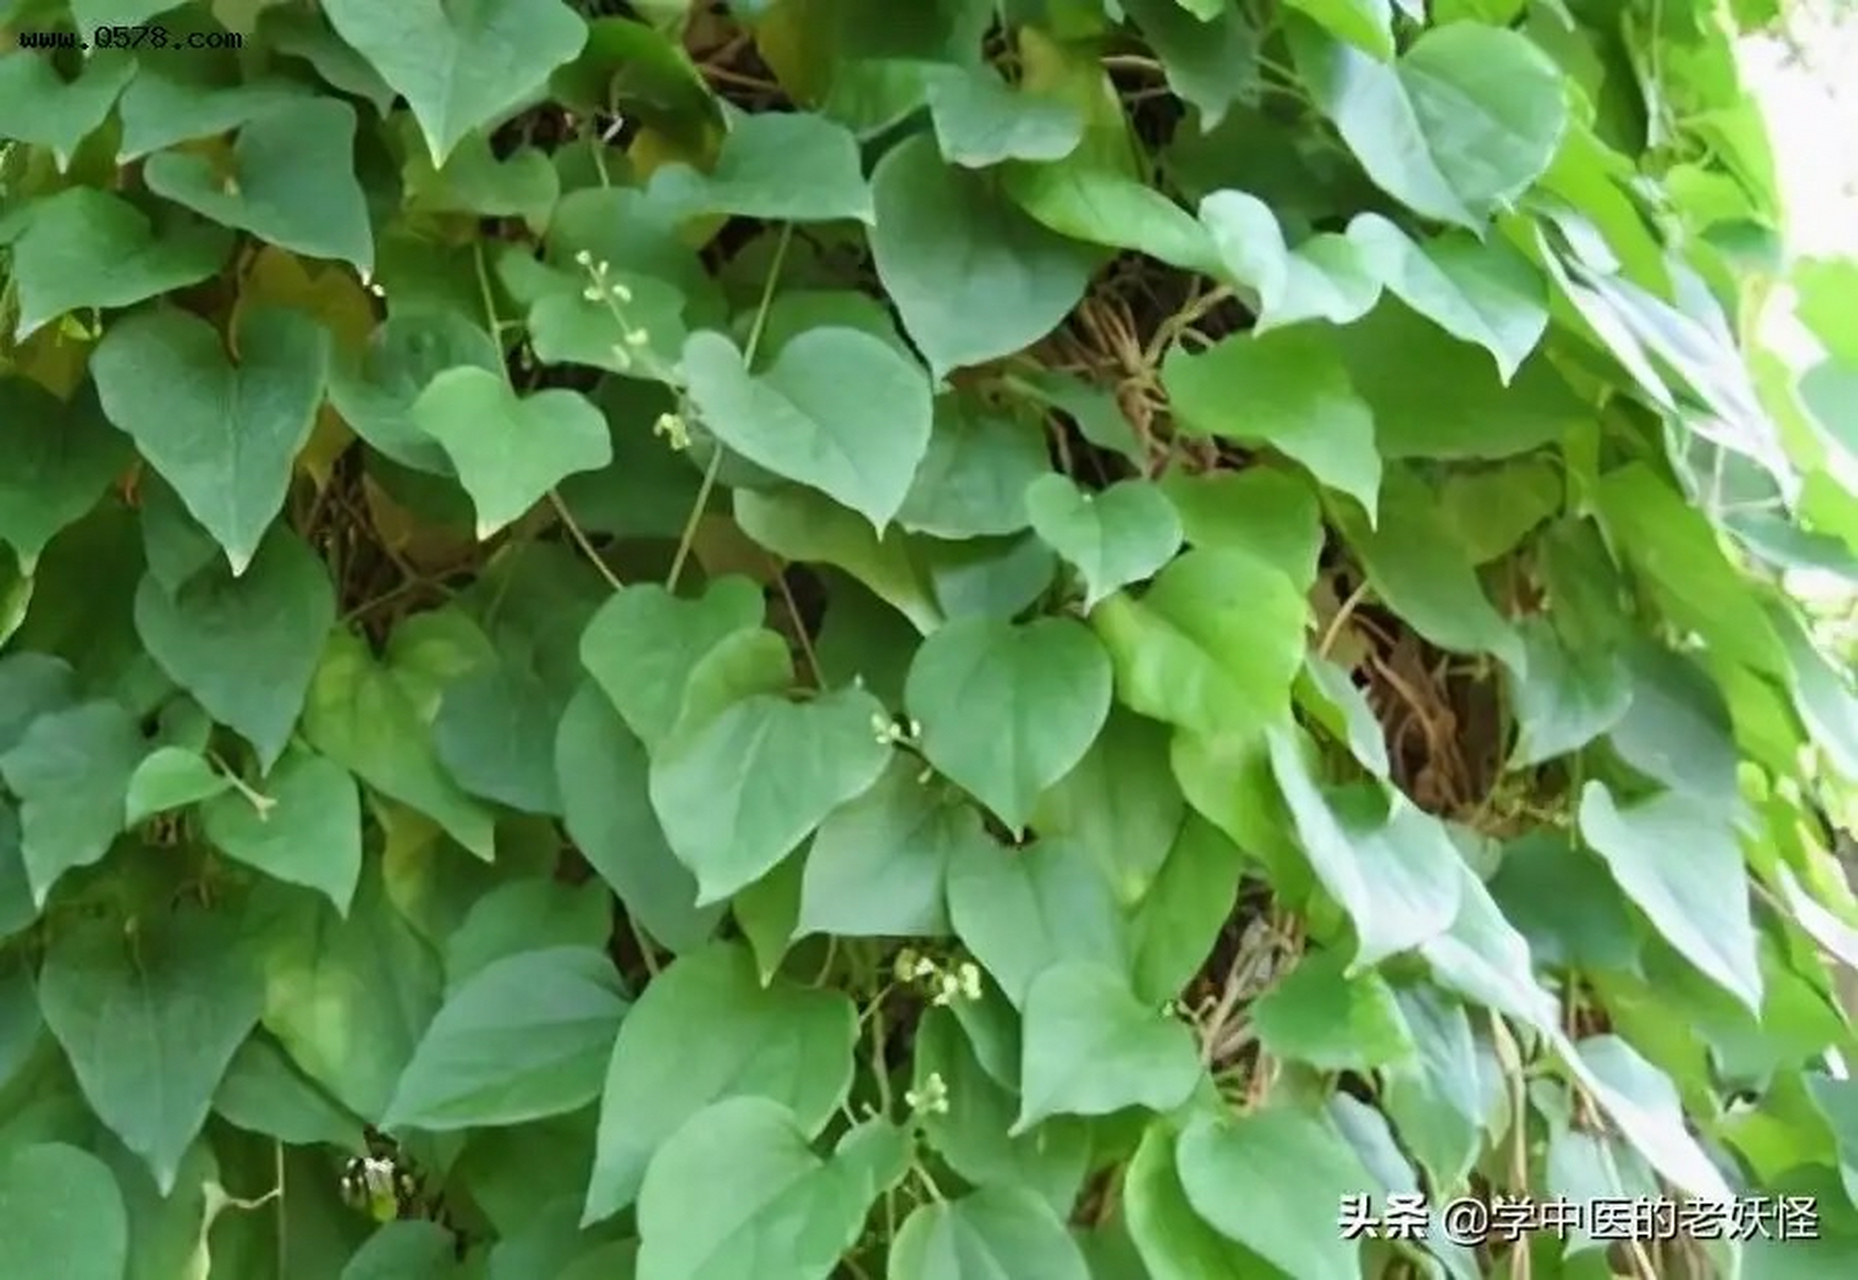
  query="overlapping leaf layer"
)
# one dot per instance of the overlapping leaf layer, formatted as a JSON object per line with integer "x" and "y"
{"x": 954, "y": 640}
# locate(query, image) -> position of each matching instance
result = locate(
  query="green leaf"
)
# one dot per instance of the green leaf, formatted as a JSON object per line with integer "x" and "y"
{"x": 149, "y": 1022}
{"x": 972, "y": 1135}
{"x": 1091, "y": 1048}
{"x": 526, "y": 1037}
{"x": 1175, "y": 1243}
{"x": 526, "y": 915}
{"x": 495, "y": 735}
{"x": 1318, "y": 1014}
{"x": 1269, "y": 512}
{"x": 1482, "y": 418}
{"x": 349, "y": 997}
{"x": 1006, "y": 711}
{"x": 309, "y": 832}
{"x": 1271, "y": 1180}
{"x": 1289, "y": 390}
{"x": 603, "y": 773}
{"x": 980, "y": 121}
{"x": 461, "y": 68}
{"x": 972, "y": 481}
{"x": 1173, "y": 649}
{"x": 766, "y": 1195}
{"x": 246, "y": 647}
{"x": 806, "y": 417}
{"x": 781, "y": 166}
{"x": 1481, "y": 291}
{"x": 1212, "y": 63}
{"x": 1120, "y": 802}
{"x": 1390, "y": 866}
{"x": 878, "y": 866}
{"x": 170, "y": 778}
{"x": 706, "y": 1029}
{"x": 1021, "y": 911}
{"x": 1565, "y": 697}
{"x": 88, "y": 248}
{"x": 1681, "y": 866}
{"x": 643, "y": 644}
{"x": 510, "y": 450}
{"x": 1678, "y": 553}
{"x": 802, "y": 525}
{"x": 59, "y": 1202}
{"x": 1456, "y": 129}
{"x": 996, "y": 1231}
{"x": 290, "y": 181}
{"x": 263, "y": 1093}
{"x": 1183, "y": 912}
{"x": 361, "y": 718}
{"x": 738, "y": 792}
{"x": 1123, "y": 534}
{"x": 1324, "y": 278}
{"x": 225, "y": 436}
{"x": 178, "y": 100}
{"x": 375, "y": 393}
{"x": 59, "y": 459}
{"x": 1366, "y": 24}
{"x": 39, "y": 108}
{"x": 71, "y": 771}
{"x": 1414, "y": 565}
{"x": 1082, "y": 201}
{"x": 972, "y": 277}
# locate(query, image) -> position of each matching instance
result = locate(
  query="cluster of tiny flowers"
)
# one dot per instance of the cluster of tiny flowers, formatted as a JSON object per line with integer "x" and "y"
{"x": 945, "y": 986}
{"x": 931, "y": 1099}
{"x": 616, "y": 295}
{"x": 890, "y": 733}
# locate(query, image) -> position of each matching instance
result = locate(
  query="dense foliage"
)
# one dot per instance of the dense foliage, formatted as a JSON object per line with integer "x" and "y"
{"x": 935, "y": 639}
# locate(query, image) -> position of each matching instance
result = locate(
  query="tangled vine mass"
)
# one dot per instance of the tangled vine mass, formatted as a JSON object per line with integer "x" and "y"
{"x": 938, "y": 640}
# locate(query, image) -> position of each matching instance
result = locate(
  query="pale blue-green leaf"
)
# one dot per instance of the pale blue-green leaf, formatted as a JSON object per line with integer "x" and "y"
{"x": 57, "y": 1201}
{"x": 1115, "y": 536}
{"x": 1482, "y": 291}
{"x": 85, "y": 247}
{"x": 308, "y": 832}
{"x": 1006, "y": 711}
{"x": 1390, "y": 866}
{"x": 149, "y": 1022}
{"x": 291, "y": 181}
{"x": 1457, "y": 128}
{"x": 980, "y": 121}
{"x": 1682, "y": 866}
{"x": 1289, "y": 390}
{"x": 1090, "y": 1047}
{"x": 461, "y": 67}
{"x": 780, "y": 166}
{"x": 224, "y": 435}
{"x": 740, "y": 791}
{"x": 704, "y": 1030}
{"x": 808, "y": 416}
{"x": 1324, "y": 278}
{"x": 71, "y": 770}
{"x": 972, "y": 276}
{"x": 526, "y": 1037}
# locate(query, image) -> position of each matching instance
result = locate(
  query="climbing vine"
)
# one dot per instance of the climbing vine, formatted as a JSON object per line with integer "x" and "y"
{"x": 1056, "y": 639}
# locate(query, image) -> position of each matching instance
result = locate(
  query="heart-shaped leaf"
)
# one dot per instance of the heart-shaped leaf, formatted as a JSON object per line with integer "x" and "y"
{"x": 291, "y": 181}
{"x": 460, "y": 66}
{"x": 783, "y": 767}
{"x": 1324, "y": 278}
{"x": 510, "y": 450}
{"x": 224, "y": 435}
{"x": 837, "y": 409}
{"x": 1482, "y": 291}
{"x": 1091, "y": 1048}
{"x": 1008, "y": 710}
{"x": 88, "y": 248}
{"x": 59, "y": 457}
{"x": 1456, "y": 129}
{"x": 1116, "y": 537}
